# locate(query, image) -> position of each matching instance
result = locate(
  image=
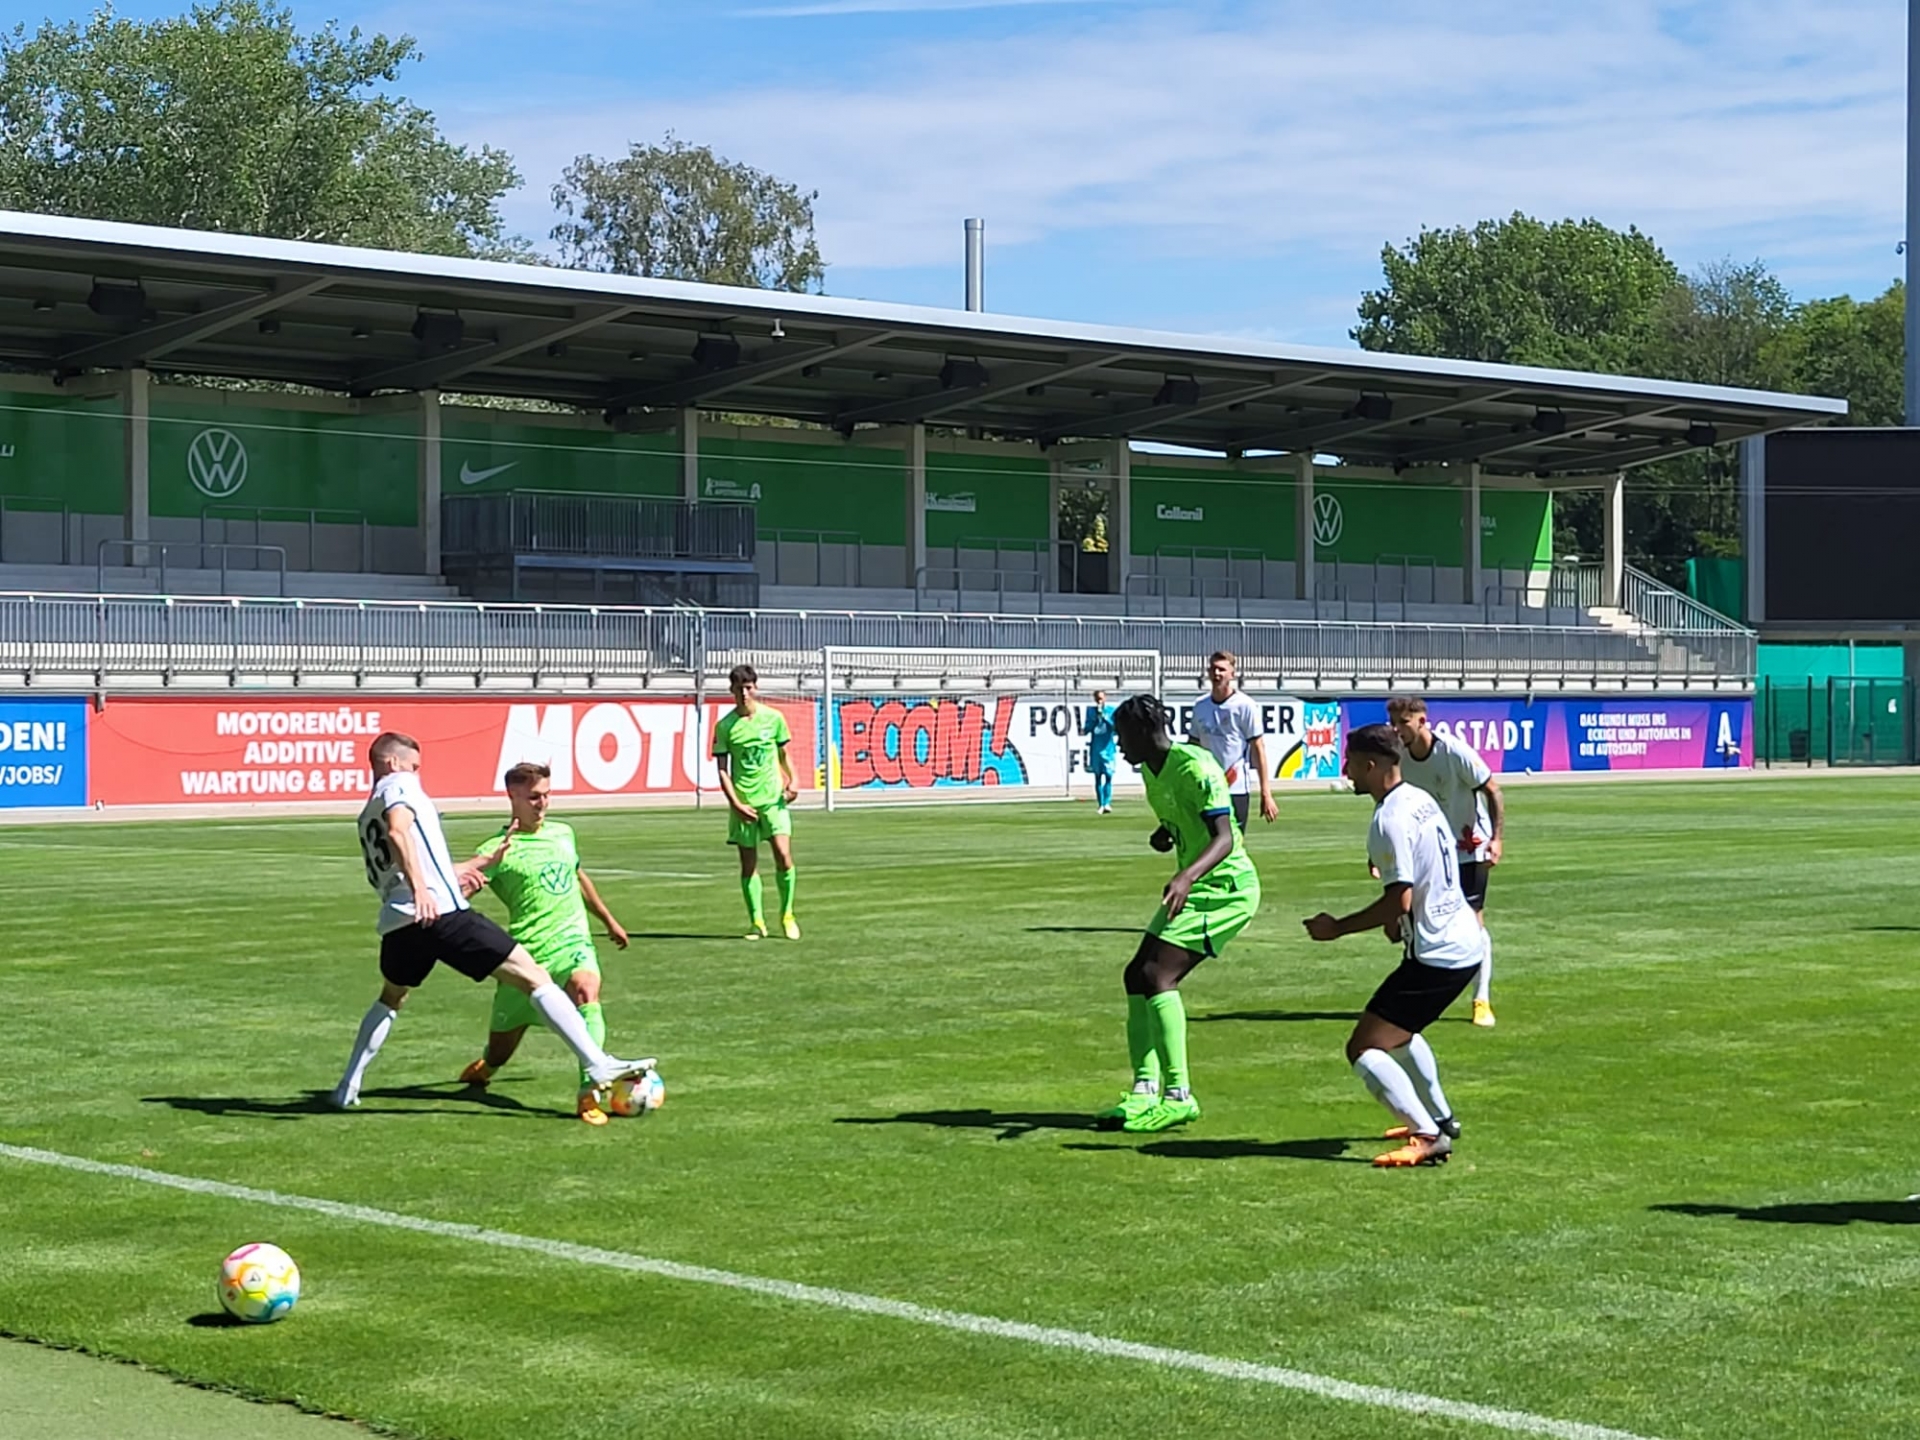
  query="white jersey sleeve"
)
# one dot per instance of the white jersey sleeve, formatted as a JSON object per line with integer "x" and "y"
{"x": 377, "y": 847}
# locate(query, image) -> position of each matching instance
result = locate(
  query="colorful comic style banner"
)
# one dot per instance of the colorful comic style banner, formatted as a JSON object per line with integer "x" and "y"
{"x": 927, "y": 742}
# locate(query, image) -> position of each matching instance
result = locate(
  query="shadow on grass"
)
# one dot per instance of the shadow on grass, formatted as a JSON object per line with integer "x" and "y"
{"x": 1084, "y": 930}
{"x": 215, "y": 1320}
{"x": 1833, "y": 1212}
{"x": 728, "y": 935}
{"x": 1886, "y": 929}
{"x": 1277, "y": 1016}
{"x": 1010, "y": 1123}
{"x": 320, "y": 1102}
{"x": 1327, "y": 1148}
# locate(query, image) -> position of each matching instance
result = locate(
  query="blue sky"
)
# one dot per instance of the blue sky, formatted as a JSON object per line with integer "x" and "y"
{"x": 1218, "y": 166}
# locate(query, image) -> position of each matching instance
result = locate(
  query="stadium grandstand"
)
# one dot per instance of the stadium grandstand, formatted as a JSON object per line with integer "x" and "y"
{"x": 234, "y": 461}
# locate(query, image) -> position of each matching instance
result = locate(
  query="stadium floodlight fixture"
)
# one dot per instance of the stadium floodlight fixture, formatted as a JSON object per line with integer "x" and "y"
{"x": 962, "y": 375}
{"x": 1700, "y": 434}
{"x": 1374, "y": 407}
{"x": 716, "y": 352}
{"x": 438, "y": 329}
{"x": 1178, "y": 390}
{"x": 117, "y": 300}
{"x": 779, "y": 331}
{"x": 43, "y": 304}
{"x": 1550, "y": 422}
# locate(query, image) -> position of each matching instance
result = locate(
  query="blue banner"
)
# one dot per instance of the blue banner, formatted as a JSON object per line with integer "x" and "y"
{"x": 43, "y": 753}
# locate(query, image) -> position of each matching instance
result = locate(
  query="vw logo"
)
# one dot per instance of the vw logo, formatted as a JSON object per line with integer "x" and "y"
{"x": 1328, "y": 521}
{"x": 217, "y": 463}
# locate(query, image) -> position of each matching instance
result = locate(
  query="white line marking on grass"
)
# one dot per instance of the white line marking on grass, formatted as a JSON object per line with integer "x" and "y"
{"x": 1517, "y": 1422}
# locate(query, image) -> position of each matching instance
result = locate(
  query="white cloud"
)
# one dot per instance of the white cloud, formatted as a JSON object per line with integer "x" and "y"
{"x": 1765, "y": 127}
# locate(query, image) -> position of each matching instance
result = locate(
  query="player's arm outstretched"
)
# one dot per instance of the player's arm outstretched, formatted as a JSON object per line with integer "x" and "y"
{"x": 1386, "y": 914}
{"x": 405, "y": 835}
{"x": 1219, "y": 846}
{"x": 616, "y": 932}
{"x": 471, "y": 875}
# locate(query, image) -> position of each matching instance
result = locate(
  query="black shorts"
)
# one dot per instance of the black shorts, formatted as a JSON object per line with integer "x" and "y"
{"x": 1242, "y": 805}
{"x": 467, "y": 940}
{"x": 1473, "y": 881}
{"x": 1416, "y": 995}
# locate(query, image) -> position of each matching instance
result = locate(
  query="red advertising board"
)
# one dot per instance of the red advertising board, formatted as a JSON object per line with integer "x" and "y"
{"x": 179, "y": 751}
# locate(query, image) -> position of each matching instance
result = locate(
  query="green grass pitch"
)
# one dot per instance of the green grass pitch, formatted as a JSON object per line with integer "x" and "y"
{"x": 1677, "y": 1210}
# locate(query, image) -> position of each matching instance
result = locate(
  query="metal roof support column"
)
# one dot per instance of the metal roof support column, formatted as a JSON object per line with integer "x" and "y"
{"x": 1753, "y": 525}
{"x": 689, "y": 453}
{"x": 1120, "y": 522}
{"x": 138, "y": 521}
{"x": 1303, "y": 549}
{"x": 1613, "y": 506}
{"x": 429, "y": 482}
{"x": 915, "y": 448}
{"x": 1470, "y": 537}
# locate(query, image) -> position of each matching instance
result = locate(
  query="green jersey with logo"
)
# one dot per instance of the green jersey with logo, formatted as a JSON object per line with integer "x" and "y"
{"x": 538, "y": 880}
{"x": 752, "y": 744}
{"x": 1190, "y": 787}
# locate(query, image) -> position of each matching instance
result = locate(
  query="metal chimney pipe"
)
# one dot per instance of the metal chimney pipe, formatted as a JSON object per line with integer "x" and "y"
{"x": 1913, "y": 212}
{"x": 977, "y": 258}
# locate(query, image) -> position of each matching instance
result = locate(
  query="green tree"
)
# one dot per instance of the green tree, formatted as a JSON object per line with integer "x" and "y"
{"x": 230, "y": 118}
{"x": 681, "y": 212}
{"x": 1853, "y": 350}
{"x": 1573, "y": 294}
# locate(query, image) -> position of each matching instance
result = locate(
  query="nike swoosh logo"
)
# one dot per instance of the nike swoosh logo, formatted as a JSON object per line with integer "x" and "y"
{"x": 471, "y": 476}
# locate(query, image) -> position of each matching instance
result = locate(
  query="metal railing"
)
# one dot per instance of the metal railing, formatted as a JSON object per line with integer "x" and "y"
{"x": 978, "y": 581}
{"x": 134, "y": 640}
{"x": 1186, "y": 587}
{"x": 163, "y": 548}
{"x": 1654, "y": 603}
{"x": 848, "y": 543}
{"x": 257, "y": 515}
{"x": 595, "y": 526}
{"x": 1226, "y": 556}
{"x": 34, "y": 505}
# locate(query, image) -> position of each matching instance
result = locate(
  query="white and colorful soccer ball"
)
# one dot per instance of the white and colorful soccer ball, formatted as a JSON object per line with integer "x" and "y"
{"x": 259, "y": 1284}
{"x": 642, "y": 1095}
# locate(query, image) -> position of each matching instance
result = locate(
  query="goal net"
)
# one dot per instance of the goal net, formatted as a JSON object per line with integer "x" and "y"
{"x": 899, "y": 723}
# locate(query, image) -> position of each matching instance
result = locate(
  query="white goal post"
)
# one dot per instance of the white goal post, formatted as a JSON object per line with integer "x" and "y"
{"x": 909, "y": 721}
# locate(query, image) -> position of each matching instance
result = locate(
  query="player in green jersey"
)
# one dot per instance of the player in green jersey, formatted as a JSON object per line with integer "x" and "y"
{"x": 1209, "y": 900}
{"x": 750, "y": 748}
{"x": 533, "y": 865}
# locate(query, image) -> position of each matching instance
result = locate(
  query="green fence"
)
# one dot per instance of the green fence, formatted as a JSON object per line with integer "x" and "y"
{"x": 1837, "y": 721}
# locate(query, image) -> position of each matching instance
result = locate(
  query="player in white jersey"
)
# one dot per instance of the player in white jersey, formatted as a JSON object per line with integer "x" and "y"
{"x": 1228, "y": 724}
{"x": 1453, "y": 773}
{"x": 425, "y": 919}
{"x": 1423, "y": 909}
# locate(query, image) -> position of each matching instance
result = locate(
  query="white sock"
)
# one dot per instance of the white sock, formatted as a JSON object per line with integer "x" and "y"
{"x": 1484, "y": 991}
{"x": 374, "y": 1026}
{"x": 564, "y": 1019}
{"x": 1416, "y": 1058}
{"x": 1393, "y": 1088}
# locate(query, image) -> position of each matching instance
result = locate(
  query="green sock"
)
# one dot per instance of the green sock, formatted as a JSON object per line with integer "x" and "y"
{"x": 1170, "y": 1037}
{"x": 784, "y": 879}
{"x": 596, "y": 1024}
{"x": 1146, "y": 1060}
{"x": 750, "y": 887}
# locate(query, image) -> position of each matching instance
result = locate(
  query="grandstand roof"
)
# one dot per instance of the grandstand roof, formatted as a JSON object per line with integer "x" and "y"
{"x": 81, "y": 295}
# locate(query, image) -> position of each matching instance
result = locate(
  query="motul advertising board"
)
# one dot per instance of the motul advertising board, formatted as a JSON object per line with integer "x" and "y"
{"x": 167, "y": 752}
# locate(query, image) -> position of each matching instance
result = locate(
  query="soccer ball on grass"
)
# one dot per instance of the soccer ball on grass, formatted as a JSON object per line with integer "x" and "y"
{"x": 639, "y": 1096}
{"x": 259, "y": 1284}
